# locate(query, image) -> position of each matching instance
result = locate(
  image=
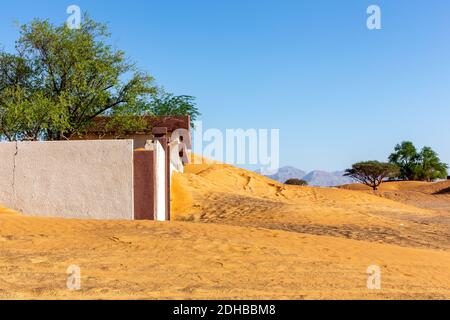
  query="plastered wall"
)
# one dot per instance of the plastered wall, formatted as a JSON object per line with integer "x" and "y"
{"x": 73, "y": 179}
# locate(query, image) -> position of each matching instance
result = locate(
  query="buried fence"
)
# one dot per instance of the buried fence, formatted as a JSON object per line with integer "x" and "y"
{"x": 105, "y": 179}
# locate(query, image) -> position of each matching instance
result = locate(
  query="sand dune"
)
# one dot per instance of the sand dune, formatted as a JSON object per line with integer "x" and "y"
{"x": 236, "y": 235}
{"x": 228, "y": 195}
{"x": 389, "y": 186}
{"x": 440, "y": 187}
{"x": 434, "y": 195}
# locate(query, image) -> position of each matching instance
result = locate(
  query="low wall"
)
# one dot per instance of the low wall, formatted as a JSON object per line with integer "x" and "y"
{"x": 144, "y": 185}
{"x": 161, "y": 193}
{"x": 73, "y": 179}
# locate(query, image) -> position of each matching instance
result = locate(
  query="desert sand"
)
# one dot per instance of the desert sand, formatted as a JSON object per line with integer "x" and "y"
{"x": 434, "y": 196}
{"x": 238, "y": 235}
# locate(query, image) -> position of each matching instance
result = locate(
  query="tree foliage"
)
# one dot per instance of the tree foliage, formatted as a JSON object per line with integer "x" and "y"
{"x": 296, "y": 182}
{"x": 405, "y": 156}
{"x": 372, "y": 173}
{"x": 430, "y": 166}
{"x": 60, "y": 79}
{"x": 424, "y": 165}
{"x": 164, "y": 103}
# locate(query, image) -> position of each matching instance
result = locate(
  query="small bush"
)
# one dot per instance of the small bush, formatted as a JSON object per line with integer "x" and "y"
{"x": 296, "y": 182}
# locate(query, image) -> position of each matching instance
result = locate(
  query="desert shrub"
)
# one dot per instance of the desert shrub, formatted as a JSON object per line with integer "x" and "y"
{"x": 296, "y": 182}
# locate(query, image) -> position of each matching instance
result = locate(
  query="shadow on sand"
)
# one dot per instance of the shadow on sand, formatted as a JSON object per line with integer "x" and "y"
{"x": 443, "y": 191}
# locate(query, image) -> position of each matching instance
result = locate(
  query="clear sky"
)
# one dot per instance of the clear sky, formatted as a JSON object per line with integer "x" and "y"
{"x": 338, "y": 92}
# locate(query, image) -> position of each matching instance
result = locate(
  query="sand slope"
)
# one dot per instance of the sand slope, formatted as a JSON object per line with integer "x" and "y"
{"x": 236, "y": 235}
{"x": 426, "y": 195}
{"x": 228, "y": 195}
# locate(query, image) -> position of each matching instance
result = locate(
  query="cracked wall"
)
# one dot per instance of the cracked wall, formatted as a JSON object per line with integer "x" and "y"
{"x": 71, "y": 179}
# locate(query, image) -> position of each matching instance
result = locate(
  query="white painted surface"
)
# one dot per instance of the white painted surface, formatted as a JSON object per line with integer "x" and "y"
{"x": 175, "y": 161}
{"x": 71, "y": 179}
{"x": 160, "y": 180}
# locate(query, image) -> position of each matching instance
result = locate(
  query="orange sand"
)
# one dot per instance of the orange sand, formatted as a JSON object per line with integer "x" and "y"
{"x": 236, "y": 235}
{"x": 426, "y": 195}
{"x": 389, "y": 186}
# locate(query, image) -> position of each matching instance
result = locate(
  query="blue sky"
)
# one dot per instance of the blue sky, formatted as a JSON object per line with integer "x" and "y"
{"x": 338, "y": 92}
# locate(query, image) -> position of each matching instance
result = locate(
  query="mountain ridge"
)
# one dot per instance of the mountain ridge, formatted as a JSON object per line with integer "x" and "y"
{"x": 317, "y": 178}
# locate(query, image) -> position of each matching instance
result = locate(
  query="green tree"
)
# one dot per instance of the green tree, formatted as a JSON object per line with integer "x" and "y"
{"x": 424, "y": 165}
{"x": 431, "y": 167}
{"x": 296, "y": 182}
{"x": 23, "y": 115}
{"x": 372, "y": 173}
{"x": 164, "y": 103}
{"x": 405, "y": 156}
{"x": 60, "y": 79}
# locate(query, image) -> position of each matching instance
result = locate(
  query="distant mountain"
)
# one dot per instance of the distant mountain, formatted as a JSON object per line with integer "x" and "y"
{"x": 287, "y": 173}
{"x": 327, "y": 179}
{"x": 314, "y": 178}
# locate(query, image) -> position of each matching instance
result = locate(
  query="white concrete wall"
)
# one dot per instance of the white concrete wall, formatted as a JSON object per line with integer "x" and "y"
{"x": 73, "y": 179}
{"x": 160, "y": 180}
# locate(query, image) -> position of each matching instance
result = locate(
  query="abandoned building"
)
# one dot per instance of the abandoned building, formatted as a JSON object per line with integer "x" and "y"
{"x": 100, "y": 175}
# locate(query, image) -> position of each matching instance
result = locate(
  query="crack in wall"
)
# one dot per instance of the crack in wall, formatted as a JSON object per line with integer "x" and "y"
{"x": 14, "y": 170}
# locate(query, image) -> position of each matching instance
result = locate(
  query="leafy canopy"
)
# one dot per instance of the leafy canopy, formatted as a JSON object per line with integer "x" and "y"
{"x": 372, "y": 173}
{"x": 405, "y": 156}
{"x": 424, "y": 165}
{"x": 430, "y": 166}
{"x": 164, "y": 103}
{"x": 60, "y": 79}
